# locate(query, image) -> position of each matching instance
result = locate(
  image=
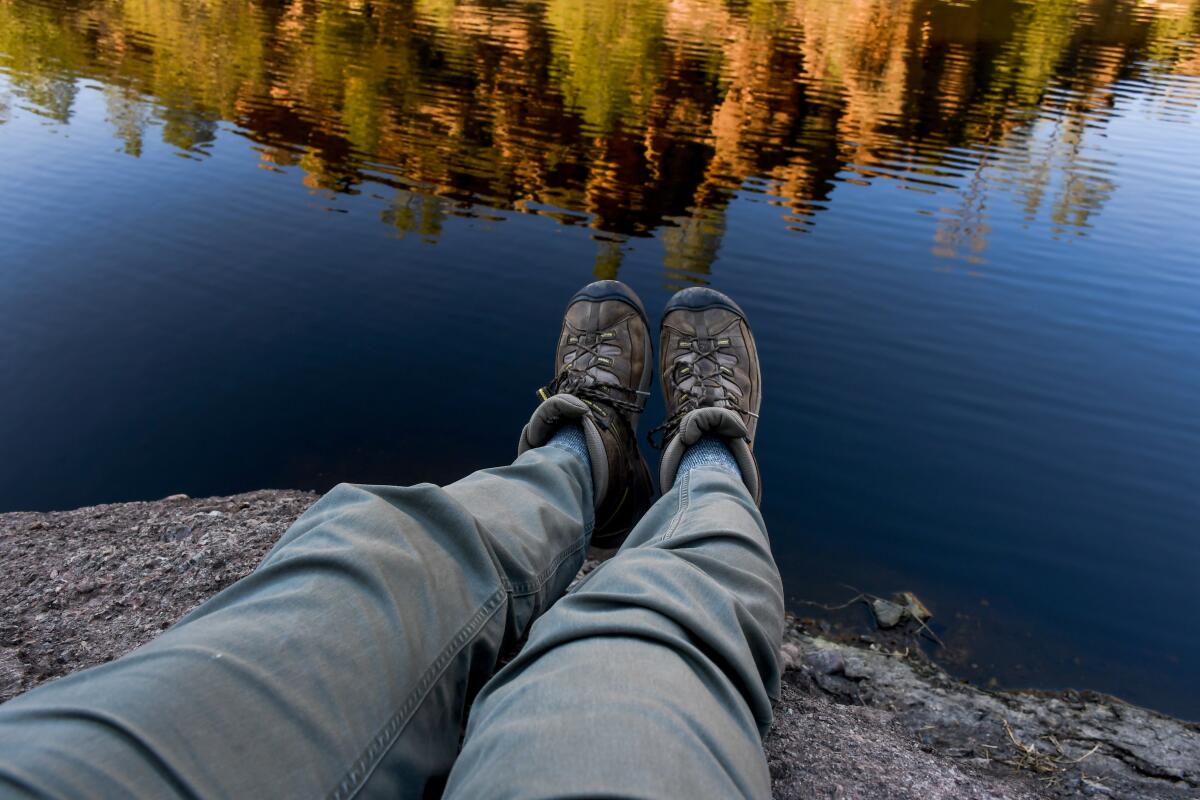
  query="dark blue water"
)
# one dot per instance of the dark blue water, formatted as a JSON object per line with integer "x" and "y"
{"x": 247, "y": 245}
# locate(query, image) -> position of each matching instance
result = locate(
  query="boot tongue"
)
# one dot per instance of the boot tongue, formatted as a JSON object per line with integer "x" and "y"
{"x": 713, "y": 396}
{"x": 707, "y": 391}
{"x": 573, "y": 382}
{"x": 704, "y": 369}
{"x": 578, "y": 380}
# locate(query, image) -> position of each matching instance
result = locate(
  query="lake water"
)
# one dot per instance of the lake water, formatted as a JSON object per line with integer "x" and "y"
{"x": 249, "y": 243}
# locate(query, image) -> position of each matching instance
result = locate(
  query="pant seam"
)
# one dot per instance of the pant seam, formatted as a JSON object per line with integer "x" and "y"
{"x": 685, "y": 494}
{"x": 535, "y": 585}
{"x": 368, "y": 762}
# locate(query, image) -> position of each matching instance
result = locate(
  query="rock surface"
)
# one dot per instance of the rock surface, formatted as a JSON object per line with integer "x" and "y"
{"x": 1056, "y": 744}
{"x": 79, "y": 588}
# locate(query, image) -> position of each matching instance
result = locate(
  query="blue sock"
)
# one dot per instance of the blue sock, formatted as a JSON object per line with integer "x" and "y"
{"x": 570, "y": 438}
{"x": 710, "y": 452}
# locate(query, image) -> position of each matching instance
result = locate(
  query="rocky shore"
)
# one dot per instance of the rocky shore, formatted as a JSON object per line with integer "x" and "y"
{"x": 79, "y": 588}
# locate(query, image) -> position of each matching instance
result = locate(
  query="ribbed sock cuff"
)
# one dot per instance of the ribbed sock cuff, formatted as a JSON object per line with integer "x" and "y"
{"x": 709, "y": 451}
{"x": 570, "y": 438}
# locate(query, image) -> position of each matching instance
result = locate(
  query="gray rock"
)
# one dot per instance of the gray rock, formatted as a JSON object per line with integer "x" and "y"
{"x": 1071, "y": 744}
{"x": 887, "y": 613}
{"x": 854, "y": 720}
{"x": 824, "y": 661}
{"x": 821, "y": 749}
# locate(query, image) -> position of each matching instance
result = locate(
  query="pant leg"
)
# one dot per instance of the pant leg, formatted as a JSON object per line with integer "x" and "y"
{"x": 652, "y": 678}
{"x": 342, "y": 666}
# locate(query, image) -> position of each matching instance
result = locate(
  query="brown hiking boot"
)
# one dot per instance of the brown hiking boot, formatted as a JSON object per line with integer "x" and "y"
{"x": 604, "y": 372}
{"x": 711, "y": 381}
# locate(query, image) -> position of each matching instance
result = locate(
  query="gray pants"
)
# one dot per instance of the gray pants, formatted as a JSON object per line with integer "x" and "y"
{"x": 344, "y": 665}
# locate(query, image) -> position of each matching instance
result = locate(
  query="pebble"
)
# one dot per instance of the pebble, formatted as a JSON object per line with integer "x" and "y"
{"x": 176, "y": 534}
{"x": 887, "y": 613}
{"x": 824, "y": 662}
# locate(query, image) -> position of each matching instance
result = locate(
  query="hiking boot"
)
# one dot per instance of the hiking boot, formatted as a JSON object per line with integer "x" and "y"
{"x": 603, "y": 379}
{"x": 711, "y": 381}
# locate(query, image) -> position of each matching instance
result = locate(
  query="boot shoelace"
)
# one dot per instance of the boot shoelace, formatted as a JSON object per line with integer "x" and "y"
{"x": 580, "y": 382}
{"x": 689, "y": 401}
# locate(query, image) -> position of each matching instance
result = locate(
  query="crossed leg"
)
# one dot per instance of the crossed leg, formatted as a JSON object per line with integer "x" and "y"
{"x": 652, "y": 678}
{"x": 345, "y": 664}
